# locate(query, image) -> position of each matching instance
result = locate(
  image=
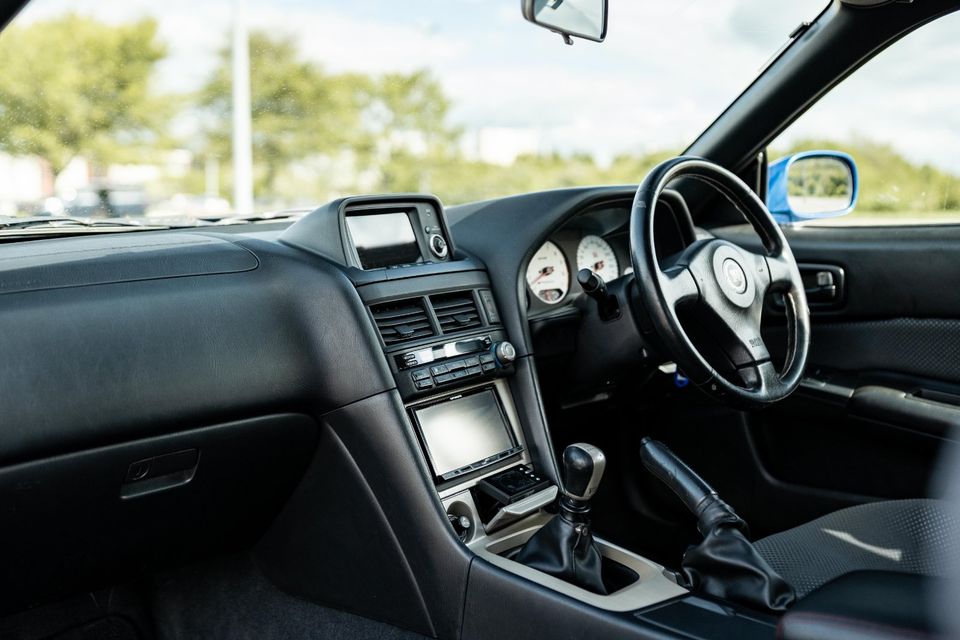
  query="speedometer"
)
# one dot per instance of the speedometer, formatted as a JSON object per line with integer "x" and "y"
{"x": 547, "y": 274}
{"x": 596, "y": 254}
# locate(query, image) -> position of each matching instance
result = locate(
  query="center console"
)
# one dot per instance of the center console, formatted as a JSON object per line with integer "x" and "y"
{"x": 459, "y": 380}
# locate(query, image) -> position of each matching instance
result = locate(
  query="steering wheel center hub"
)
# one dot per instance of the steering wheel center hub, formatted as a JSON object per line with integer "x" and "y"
{"x": 736, "y": 278}
{"x": 731, "y": 276}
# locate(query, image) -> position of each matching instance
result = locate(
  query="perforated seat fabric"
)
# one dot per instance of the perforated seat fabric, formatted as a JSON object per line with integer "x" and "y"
{"x": 909, "y": 536}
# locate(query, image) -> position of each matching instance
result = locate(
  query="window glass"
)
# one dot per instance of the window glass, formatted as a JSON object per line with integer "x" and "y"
{"x": 899, "y": 118}
{"x": 126, "y": 107}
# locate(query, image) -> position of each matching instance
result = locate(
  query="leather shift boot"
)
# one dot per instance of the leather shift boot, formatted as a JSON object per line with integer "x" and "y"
{"x": 566, "y": 550}
{"x": 727, "y": 566}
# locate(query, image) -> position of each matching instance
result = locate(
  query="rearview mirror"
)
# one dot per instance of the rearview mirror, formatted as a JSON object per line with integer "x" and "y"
{"x": 812, "y": 185}
{"x": 585, "y": 19}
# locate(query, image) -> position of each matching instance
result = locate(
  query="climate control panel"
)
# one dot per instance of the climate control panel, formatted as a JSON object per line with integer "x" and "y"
{"x": 443, "y": 366}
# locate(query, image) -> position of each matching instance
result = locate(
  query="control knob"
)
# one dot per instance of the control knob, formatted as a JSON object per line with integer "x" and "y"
{"x": 505, "y": 353}
{"x": 438, "y": 245}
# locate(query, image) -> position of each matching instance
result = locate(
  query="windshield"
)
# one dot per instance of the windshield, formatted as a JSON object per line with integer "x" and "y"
{"x": 194, "y": 109}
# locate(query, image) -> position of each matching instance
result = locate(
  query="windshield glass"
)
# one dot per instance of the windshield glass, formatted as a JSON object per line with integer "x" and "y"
{"x": 139, "y": 109}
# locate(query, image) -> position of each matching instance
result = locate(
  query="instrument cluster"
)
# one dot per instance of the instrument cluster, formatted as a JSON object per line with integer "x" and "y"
{"x": 596, "y": 239}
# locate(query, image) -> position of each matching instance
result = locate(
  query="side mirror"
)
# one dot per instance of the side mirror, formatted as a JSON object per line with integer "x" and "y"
{"x": 812, "y": 185}
{"x": 585, "y": 19}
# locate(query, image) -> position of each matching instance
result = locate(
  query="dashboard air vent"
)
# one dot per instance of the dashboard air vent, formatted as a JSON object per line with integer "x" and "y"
{"x": 402, "y": 320}
{"x": 456, "y": 311}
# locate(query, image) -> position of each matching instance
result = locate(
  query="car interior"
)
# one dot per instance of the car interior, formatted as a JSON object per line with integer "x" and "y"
{"x": 392, "y": 418}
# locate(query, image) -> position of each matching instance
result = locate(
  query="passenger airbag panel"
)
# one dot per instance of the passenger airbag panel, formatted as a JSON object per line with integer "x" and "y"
{"x": 119, "y": 258}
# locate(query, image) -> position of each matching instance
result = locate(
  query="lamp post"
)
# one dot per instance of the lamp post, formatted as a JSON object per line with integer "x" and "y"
{"x": 242, "y": 137}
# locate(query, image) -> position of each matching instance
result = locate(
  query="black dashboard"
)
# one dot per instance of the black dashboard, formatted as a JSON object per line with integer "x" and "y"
{"x": 265, "y": 360}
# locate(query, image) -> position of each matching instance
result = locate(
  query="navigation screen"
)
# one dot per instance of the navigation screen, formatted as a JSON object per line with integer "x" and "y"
{"x": 383, "y": 239}
{"x": 464, "y": 431}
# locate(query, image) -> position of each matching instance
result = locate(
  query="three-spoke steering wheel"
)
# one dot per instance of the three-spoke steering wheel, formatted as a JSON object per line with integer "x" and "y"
{"x": 722, "y": 287}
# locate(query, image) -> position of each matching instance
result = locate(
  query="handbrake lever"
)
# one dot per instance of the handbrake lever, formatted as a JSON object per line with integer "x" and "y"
{"x": 725, "y": 564}
{"x": 697, "y": 496}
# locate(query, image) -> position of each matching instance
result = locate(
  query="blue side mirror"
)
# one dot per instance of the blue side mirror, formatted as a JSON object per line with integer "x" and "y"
{"x": 811, "y": 185}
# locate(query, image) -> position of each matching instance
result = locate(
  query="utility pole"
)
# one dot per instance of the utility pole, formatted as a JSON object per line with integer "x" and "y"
{"x": 242, "y": 137}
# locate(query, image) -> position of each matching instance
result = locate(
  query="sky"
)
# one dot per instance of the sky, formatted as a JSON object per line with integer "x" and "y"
{"x": 666, "y": 70}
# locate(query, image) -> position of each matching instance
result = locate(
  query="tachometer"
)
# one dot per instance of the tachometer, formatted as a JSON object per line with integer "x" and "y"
{"x": 596, "y": 254}
{"x": 547, "y": 274}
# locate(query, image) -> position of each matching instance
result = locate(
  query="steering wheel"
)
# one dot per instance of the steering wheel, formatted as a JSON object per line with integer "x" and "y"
{"x": 719, "y": 288}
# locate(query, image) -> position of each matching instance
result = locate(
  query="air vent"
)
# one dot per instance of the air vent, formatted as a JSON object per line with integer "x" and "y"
{"x": 456, "y": 311}
{"x": 402, "y": 320}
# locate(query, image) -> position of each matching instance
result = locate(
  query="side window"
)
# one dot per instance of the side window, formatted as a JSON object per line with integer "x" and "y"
{"x": 898, "y": 117}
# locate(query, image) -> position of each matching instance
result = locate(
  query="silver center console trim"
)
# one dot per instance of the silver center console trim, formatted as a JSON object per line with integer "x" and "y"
{"x": 519, "y": 521}
{"x": 654, "y": 585}
{"x": 524, "y": 507}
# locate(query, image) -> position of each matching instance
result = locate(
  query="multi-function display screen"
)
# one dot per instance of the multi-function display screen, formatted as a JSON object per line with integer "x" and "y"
{"x": 383, "y": 239}
{"x": 464, "y": 431}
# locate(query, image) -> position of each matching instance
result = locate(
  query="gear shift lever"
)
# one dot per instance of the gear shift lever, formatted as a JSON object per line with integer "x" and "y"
{"x": 583, "y": 466}
{"x": 564, "y": 547}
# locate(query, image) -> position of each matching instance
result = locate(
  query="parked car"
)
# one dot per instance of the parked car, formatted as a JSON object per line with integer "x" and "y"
{"x": 106, "y": 201}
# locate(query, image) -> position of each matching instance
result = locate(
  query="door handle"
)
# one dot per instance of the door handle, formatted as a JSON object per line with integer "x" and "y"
{"x": 822, "y": 287}
{"x": 823, "y": 284}
{"x": 159, "y": 473}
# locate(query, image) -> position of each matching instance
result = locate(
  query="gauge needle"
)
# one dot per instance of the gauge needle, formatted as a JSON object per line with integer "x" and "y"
{"x": 543, "y": 274}
{"x": 598, "y": 266}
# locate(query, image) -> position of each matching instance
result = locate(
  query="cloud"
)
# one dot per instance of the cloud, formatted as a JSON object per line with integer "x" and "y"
{"x": 905, "y": 96}
{"x": 665, "y": 72}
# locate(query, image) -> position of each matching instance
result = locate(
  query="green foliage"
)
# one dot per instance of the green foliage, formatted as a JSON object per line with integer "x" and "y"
{"x": 462, "y": 180}
{"x": 393, "y": 126}
{"x": 889, "y": 183}
{"x": 819, "y": 178}
{"x": 297, "y": 109}
{"x": 407, "y": 115}
{"x": 72, "y": 85}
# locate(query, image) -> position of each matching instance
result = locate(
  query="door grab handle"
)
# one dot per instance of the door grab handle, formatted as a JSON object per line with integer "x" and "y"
{"x": 827, "y": 390}
{"x": 905, "y": 410}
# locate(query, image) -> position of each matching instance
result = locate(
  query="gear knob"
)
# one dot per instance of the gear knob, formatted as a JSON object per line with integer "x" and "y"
{"x": 583, "y": 466}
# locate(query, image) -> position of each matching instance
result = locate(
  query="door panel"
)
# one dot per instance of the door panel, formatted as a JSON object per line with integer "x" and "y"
{"x": 882, "y": 394}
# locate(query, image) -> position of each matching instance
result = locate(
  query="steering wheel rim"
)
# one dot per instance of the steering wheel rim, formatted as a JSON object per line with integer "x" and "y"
{"x": 728, "y": 285}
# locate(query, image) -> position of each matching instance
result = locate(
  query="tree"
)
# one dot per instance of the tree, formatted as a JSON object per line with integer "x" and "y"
{"x": 297, "y": 109}
{"x": 407, "y": 114}
{"x": 889, "y": 182}
{"x": 74, "y": 86}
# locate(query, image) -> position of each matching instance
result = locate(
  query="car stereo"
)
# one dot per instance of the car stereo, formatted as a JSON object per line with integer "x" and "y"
{"x": 465, "y": 433}
{"x": 394, "y": 232}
